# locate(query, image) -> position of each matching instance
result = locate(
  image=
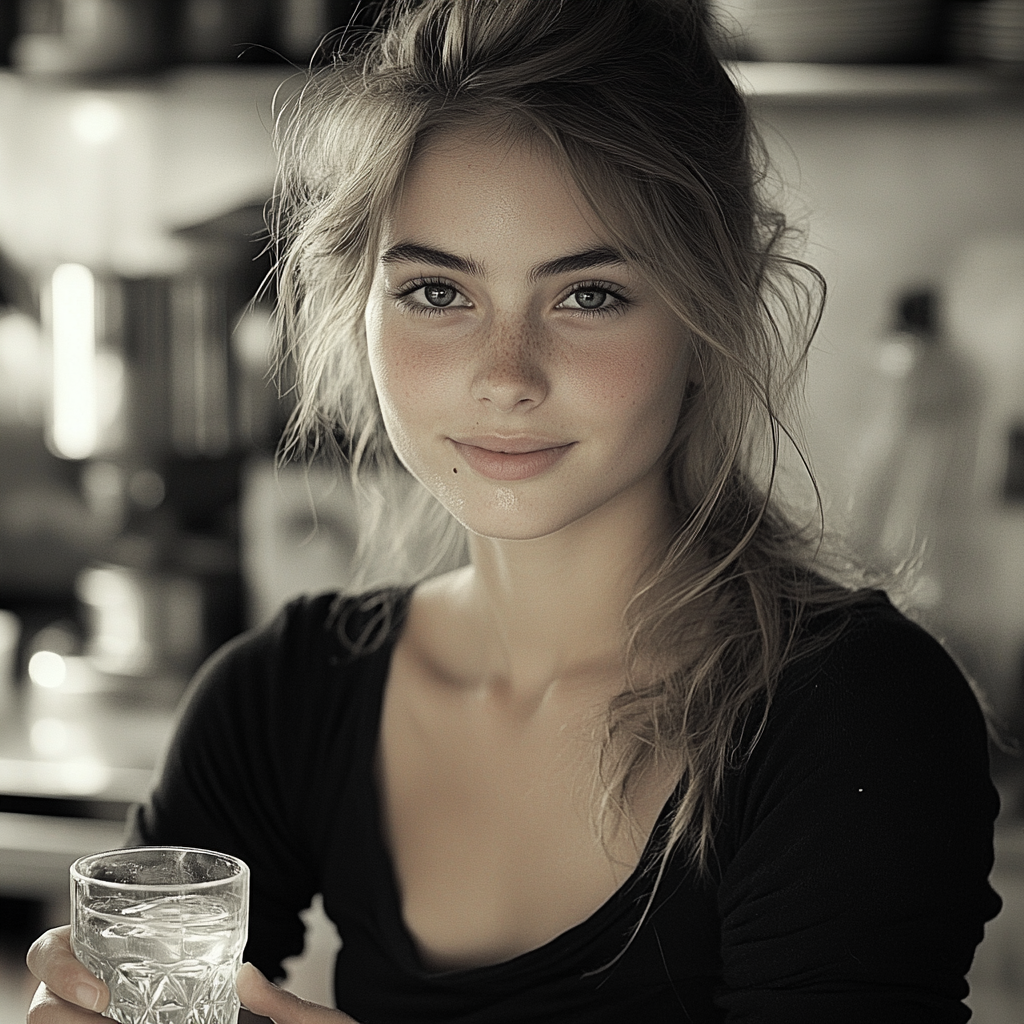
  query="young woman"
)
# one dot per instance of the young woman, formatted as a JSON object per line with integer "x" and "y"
{"x": 642, "y": 758}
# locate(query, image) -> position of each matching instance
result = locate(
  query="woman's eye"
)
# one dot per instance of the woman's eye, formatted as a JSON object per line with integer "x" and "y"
{"x": 592, "y": 299}
{"x": 431, "y": 296}
{"x": 439, "y": 294}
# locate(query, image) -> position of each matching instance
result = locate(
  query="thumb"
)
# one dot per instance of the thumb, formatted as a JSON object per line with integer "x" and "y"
{"x": 266, "y": 1000}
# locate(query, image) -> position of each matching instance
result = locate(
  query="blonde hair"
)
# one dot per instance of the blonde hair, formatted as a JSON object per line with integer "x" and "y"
{"x": 629, "y": 97}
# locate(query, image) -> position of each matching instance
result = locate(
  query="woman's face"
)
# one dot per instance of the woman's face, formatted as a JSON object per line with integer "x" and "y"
{"x": 527, "y": 375}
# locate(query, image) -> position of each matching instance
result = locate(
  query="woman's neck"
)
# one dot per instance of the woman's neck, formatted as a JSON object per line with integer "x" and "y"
{"x": 550, "y": 610}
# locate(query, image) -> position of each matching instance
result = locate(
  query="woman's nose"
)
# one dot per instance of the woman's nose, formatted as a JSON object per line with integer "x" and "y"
{"x": 509, "y": 374}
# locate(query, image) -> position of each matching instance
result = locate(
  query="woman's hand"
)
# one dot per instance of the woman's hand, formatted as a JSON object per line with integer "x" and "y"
{"x": 260, "y": 997}
{"x": 67, "y": 993}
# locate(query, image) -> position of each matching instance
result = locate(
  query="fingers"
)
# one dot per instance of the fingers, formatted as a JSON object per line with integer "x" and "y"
{"x": 259, "y": 996}
{"x": 48, "y": 1008}
{"x": 51, "y": 961}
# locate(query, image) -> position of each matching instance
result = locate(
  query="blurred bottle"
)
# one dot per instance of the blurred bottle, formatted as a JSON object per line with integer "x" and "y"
{"x": 985, "y": 315}
{"x": 912, "y": 476}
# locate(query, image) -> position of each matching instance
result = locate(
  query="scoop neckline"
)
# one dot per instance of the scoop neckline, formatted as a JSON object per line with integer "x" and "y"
{"x": 392, "y": 917}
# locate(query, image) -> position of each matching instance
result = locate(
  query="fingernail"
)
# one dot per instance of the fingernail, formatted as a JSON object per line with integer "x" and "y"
{"x": 88, "y": 996}
{"x": 254, "y": 972}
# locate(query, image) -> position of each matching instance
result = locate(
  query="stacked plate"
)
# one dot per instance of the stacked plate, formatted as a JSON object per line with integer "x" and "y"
{"x": 828, "y": 31}
{"x": 1002, "y": 31}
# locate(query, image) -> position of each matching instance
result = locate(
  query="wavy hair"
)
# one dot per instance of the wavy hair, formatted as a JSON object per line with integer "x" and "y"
{"x": 631, "y": 100}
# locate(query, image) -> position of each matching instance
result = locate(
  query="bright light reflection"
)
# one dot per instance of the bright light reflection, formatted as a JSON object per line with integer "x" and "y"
{"x": 96, "y": 120}
{"x": 118, "y": 642}
{"x": 73, "y": 298}
{"x": 47, "y": 669}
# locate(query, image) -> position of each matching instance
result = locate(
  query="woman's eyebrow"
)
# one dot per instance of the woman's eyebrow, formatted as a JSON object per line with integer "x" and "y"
{"x": 599, "y": 256}
{"x": 414, "y": 252}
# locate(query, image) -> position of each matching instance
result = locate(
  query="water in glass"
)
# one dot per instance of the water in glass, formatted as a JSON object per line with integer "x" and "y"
{"x": 165, "y": 928}
{"x": 169, "y": 960}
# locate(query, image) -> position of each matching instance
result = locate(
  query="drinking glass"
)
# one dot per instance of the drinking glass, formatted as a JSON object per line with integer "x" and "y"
{"x": 164, "y": 927}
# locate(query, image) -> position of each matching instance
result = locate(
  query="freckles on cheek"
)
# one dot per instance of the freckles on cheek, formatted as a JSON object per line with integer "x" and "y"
{"x": 418, "y": 382}
{"x": 413, "y": 387}
{"x": 626, "y": 381}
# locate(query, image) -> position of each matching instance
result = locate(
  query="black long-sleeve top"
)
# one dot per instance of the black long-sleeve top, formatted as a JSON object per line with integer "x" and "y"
{"x": 849, "y": 881}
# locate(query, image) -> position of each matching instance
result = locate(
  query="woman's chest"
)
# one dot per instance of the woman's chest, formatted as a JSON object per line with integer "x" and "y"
{"x": 490, "y": 829}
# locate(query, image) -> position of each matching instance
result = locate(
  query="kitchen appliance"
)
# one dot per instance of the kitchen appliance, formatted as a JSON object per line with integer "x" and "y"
{"x": 158, "y": 403}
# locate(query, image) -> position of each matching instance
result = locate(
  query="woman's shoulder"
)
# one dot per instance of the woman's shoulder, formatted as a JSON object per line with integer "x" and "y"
{"x": 856, "y": 832}
{"x": 870, "y": 690}
{"x": 312, "y": 654}
{"x": 365, "y": 623}
{"x": 867, "y": 651}
{"x": 331, "y": 625}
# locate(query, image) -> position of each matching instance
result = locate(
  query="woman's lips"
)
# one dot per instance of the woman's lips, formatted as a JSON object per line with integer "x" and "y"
{"x": 512, "y": 459}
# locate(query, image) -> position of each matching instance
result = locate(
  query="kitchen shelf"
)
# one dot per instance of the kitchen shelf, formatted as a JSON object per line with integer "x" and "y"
{"x": 37, "y": 850}
{"x": 823, "y": 84}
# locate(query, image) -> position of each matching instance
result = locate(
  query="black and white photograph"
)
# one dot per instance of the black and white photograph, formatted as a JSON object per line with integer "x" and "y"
{"x": 512, "y": 511}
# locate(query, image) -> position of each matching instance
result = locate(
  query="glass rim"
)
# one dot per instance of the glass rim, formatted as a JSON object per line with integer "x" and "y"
{"x": 240, "y": 870}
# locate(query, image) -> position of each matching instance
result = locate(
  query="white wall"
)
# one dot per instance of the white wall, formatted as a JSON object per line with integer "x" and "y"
{"x": 100, "y": 175}
{"x": 898, "y": 197}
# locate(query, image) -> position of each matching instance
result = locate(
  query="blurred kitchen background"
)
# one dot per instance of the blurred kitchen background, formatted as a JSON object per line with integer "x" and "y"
{"x": 142, "y": 521}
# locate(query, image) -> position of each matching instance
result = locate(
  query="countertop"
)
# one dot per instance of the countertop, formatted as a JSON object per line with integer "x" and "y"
{"x": 72, "y": 759}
